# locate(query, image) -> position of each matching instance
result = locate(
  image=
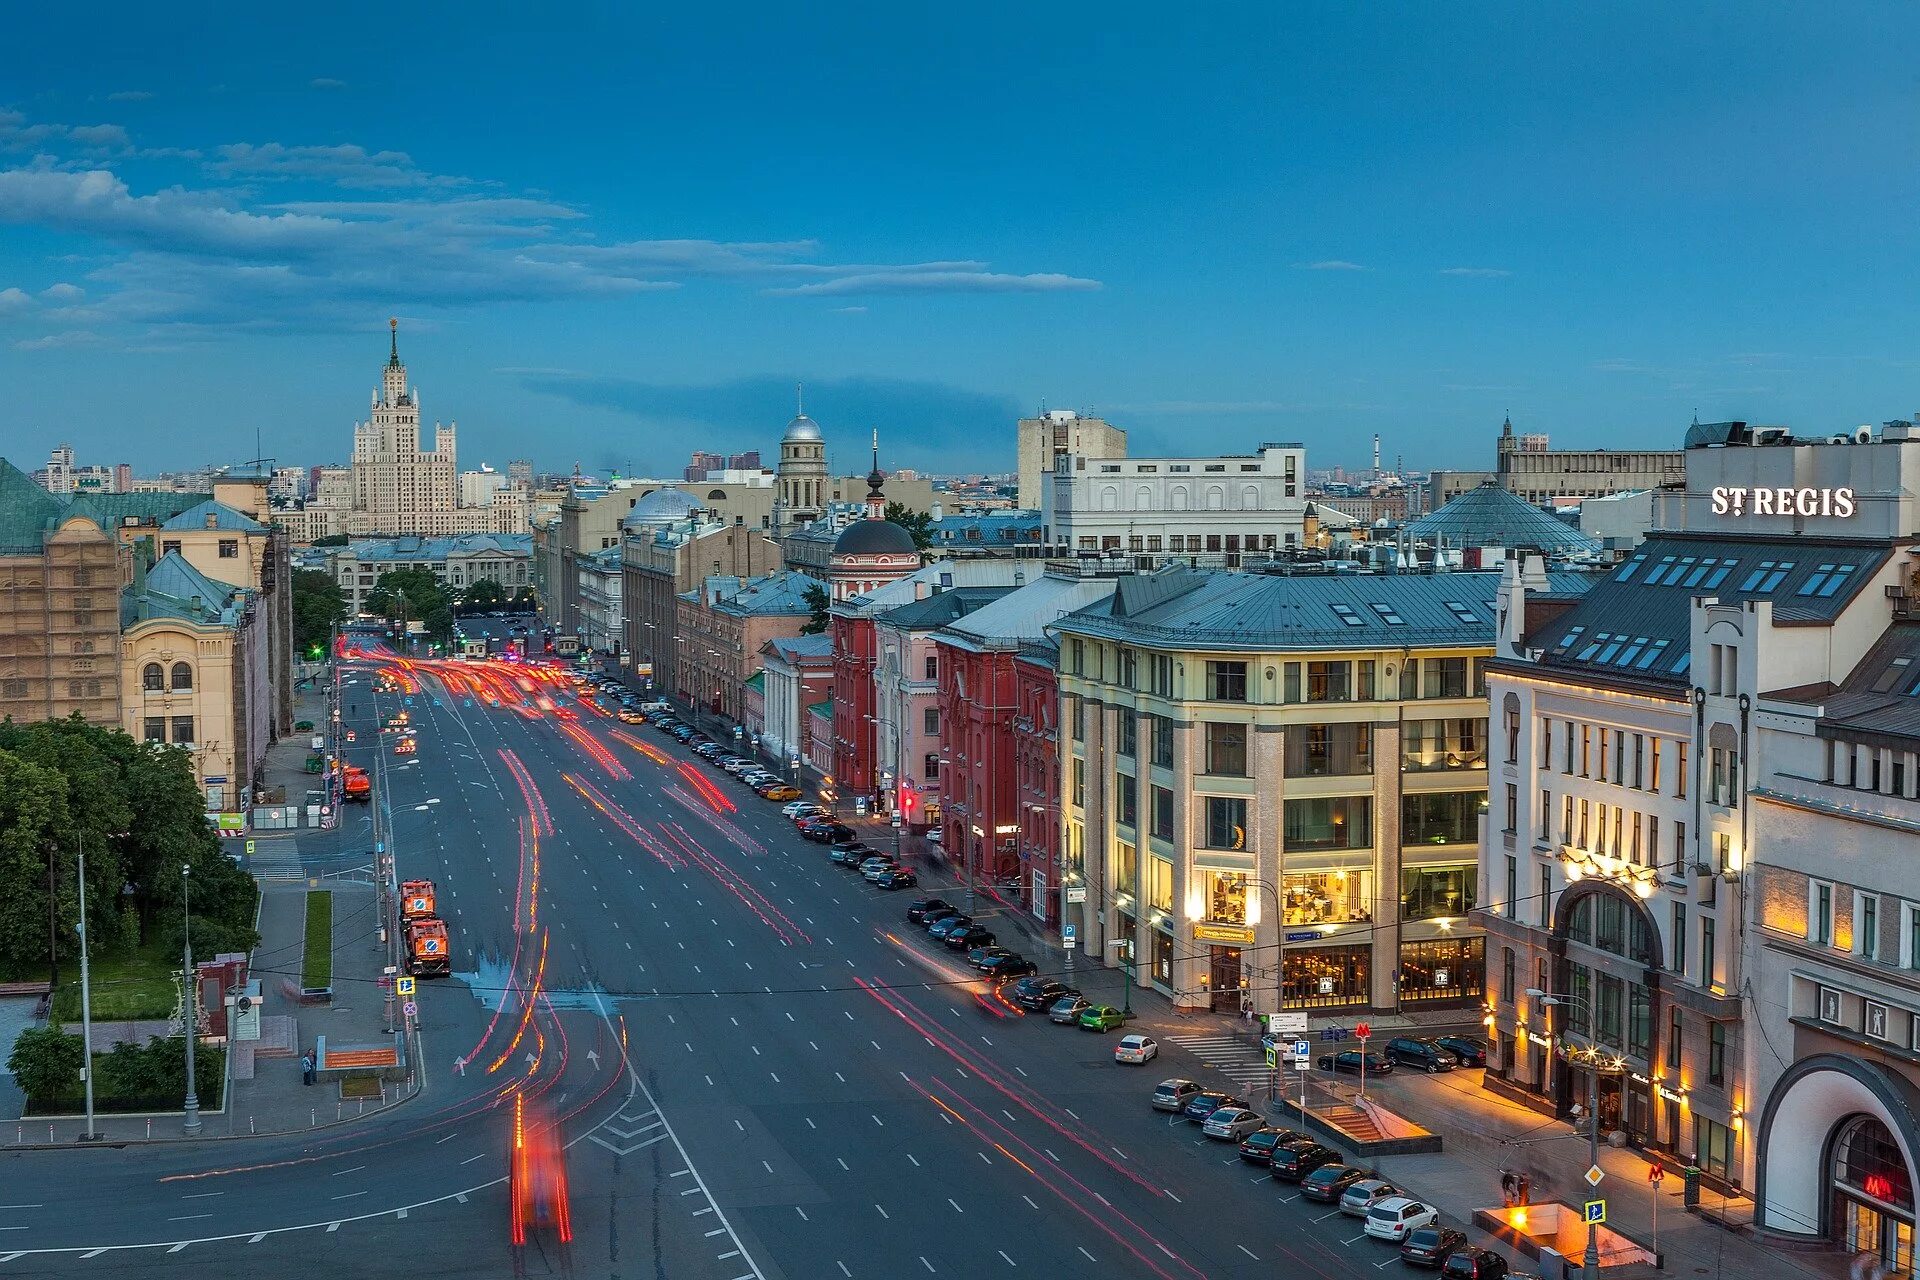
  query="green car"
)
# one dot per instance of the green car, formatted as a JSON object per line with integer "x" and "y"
{"x": 1102, "y": 1017}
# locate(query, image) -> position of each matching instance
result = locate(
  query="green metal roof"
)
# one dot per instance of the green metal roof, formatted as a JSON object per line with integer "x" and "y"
{"x": 26, "y": 512}
{"x": 1489, "y": 516}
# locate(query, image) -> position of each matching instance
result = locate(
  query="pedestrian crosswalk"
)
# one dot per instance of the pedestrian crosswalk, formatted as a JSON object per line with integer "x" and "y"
{"x": 1240, "y": 1061}
{"x": 276, "y": 860}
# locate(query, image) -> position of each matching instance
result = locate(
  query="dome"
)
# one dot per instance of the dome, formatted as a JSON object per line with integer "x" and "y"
{"x": 801, "y": 428}
{"x": 874, "y": 538}
{"x": 661, "y": 507}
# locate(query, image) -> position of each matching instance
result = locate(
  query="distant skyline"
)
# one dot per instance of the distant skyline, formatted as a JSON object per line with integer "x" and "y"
{"x": 620, "y": 239}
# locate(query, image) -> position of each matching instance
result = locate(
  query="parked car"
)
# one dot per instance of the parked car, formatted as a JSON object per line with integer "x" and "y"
{"x": 849, "y": 856}
{"x": 946, "y": 924}
{"x": 1037, "y": 993}
{"x": 874, "y": 863}
{"x": 1257, "y": 1147}
{"x": 1136, "y": 1050}
{"x": 1102, "y": 1018}
{"x": 969, "y": 938}
{"x": 780, "y": 791}
{"x": 1203, "y": 1104}
{"x": 1393, "y": 1217}
{"x": 1011, "y": 965}
{"x": 898, "y": 878}
{"x": 1474, "y": 1264}
{"x": 629, "y": 716}
{"x": 800, "y": 809}
{"x": 1230, "y": 1124}
{"x": 920, "y": 908}
{"x": 1411, "y": 1051}
{"x": 978, "y": 955}
{"x": 1348, "y": 1063}
{"x": 1470, "y": 1052}
{"x": 1430, "y": 1246}
{"x": 1330, "y": 1181}
{"x": 827, "y": 832}
{"x": 1174, "y": 1094}
{"x": 1292, "y": 1161}
{"x": 1358, "y": 1199}
{"x": 1067, "y": 1010}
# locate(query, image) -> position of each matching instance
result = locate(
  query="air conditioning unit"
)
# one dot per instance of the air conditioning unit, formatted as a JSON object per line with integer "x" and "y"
{"x": 1863, "y": 435}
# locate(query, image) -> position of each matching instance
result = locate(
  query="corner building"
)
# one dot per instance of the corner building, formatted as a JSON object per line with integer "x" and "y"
{"x": 1272, "y": 787}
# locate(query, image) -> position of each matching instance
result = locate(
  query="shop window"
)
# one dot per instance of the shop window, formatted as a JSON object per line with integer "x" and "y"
{"x": 1226, "y": 822}
{"x": 1329, "y": 822}
{"x": 1430, "y": 892}
{"x": 1159, "y": 883}
{"x": 1160, "y": 952}
{"x": 1224, "y": 896}
{"x": 1444, "y": 817}
{"x": 1326, "y": 977}
{"x": 1443, "y": 969}
{"x": 1327, "y": 897}
{"x": 1713, "y": 1146}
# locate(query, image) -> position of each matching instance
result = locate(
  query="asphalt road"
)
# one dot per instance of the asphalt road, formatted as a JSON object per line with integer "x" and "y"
{"x": 762, "y": 1070}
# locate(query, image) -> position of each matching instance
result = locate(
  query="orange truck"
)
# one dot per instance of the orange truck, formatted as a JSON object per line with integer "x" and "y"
{"x": 359, "y": 786}
{"x": 416, "y": 899}
{"x": 428, "y": 952}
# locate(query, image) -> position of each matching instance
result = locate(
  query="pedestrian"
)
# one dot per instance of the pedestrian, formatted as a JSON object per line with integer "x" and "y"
{"x": 306, "y": 1068}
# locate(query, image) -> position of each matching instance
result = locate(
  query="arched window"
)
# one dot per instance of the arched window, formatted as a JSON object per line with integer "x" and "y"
{"x": 1177, "y": 498}
{"x": 1867, "y": 1162}
{"x": 1606, "y": 920}
{"x": 1109, "y": 498}
{"x": 152, "y": 678}
{"x": 1249, "y": 497}
{"x": 1216, "y": 497}
{"x": 182, "y": 676}
{"x": 716, "y": 495}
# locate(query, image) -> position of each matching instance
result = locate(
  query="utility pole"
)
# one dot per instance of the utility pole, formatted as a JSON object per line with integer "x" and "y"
{"x": 191, "y": 1123}
{"x": 86, "y": 1001}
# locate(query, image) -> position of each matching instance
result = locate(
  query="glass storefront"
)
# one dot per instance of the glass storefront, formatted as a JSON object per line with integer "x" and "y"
{"x": 1441, "y": 969}
{"x": 1872, "y": 1195}
{"x": 1327, "y": 977}
{"x": 1328, "y": 897}
{"x": 1225, "y": 896}
{"x": 1430, "y": 892}
{"x": 1162, "y": 958}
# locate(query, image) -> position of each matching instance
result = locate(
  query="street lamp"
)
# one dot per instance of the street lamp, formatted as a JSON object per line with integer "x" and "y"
{"x": 191, "y": 1122}
{"x": 86, "y": 1002}
{"x": 1550, "y": 999}
{"x": 1126, "y": 958}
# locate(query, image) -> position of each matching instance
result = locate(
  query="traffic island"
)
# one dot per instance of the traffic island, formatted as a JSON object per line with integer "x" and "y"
{"x": 1552, "y": 1228}
{"x": 316, "y": 969}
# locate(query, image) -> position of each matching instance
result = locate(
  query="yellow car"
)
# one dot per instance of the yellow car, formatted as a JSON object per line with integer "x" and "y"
{"x": 629, "y": 716}
{"x": 780, "y": 791}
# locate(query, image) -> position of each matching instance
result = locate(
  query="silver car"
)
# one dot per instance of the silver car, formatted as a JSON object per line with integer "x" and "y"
{"x": 1364, "y": 1194}
{"x": 1230, "y": 1124}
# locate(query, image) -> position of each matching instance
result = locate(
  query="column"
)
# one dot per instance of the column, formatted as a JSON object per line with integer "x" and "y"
{"x": 1264, "y": 828}
{"x": 1385, "y": 907}
{"x": 1191, "y": 962}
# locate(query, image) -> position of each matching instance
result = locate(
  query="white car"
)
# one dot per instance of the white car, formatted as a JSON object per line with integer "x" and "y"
{"x": 799, "y": 809}
{"x": 1232, "y": 1123}
{"x": 1136, "y": 1049}
{"x": 933, "y": 835}
{"x": 1392, "y": 1218}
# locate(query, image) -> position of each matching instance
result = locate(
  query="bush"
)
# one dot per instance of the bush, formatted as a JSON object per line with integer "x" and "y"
{"x": 317, "y": 971}
{"x": 149, "y": 1077}
{"x": 46, "y": 1062}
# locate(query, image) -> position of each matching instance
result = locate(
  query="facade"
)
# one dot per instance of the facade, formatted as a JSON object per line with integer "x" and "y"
{"x": 62, "y": 574}
{"x": 873, "y": 551}
{"x": 1198, "y": 511}
{"x": 667, "y": 546}
{"x": 721, "y": 629}
{"x": 802, "y": 476}
{"x": 798, "y": 675}
{"x": 1036, "y": 779}
{"x": 457, "y": 563}
{"x": 1635, "y": 725}
{"x": 601, "y": 621}
{"x": 1040, "y": 442}
{"x": 1295, "y": 767}
{"x": 1534, "y": 473}
{"x": 193, "y": 657}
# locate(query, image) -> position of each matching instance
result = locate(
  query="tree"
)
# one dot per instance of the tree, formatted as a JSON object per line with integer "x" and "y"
{"x": 817, "y": 601}
{"x": 33, "y": 820}
{"x": 484, "y": 594}
{"x": 331, "y": 540}
{"x": 46, "y": 1062}
{"x": 527, "y": 600}
{"x": 413, "y": 595}
{"x": 318, "y": 605}
{"x": 917, "y": 523}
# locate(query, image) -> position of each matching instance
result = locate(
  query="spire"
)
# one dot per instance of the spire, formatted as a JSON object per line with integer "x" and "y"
{"x": 800, "y": 399}
{"x": 876, "y": 500}
{"x": 876, "y": 451}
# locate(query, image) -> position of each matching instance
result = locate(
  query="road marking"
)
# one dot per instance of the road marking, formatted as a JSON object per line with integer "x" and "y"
{"x": 203, "y": 1195}
{"x": 1029, "y": 1200}
{"x": 955, "y": 1204}
{"x": 925, "y": 1263}
{"x": 803, "y": 1214}
{"x": 1003, "y": 1254}
{"x": 717, "y": 1231}
{"x": 910, "y": 1156}
{"x": 177, "y": 1248}
{"x": 349, "y": 1195}
{"x": 189, "y": 1217}
{"x": 843, "y": 1267}
{"x": 344, "y": 1172}
{"x": 471, "y": 1159}
{"x": 1089, "y": 1257}
{"x": 883, "y": 1211}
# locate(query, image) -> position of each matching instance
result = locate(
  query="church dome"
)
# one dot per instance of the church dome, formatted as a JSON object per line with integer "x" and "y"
{"x": 874, "y": 538}
{"x": 661, "y": 507}
{"x": 801, "y": 428}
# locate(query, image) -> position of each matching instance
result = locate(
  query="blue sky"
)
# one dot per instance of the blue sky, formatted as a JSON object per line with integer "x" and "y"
{"x": 614, "y": 240}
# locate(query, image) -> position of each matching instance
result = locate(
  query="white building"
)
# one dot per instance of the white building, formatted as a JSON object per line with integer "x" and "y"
{"x": 478, "y": 487}
{"x": 601, "y": 616}
{"x": 1039, "y": 442}
{"x": 1202, "y": 511}
{"x": 457, "y": 563}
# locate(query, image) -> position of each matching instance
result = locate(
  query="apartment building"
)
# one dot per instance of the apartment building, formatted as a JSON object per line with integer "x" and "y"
{"x": 1211, "y": 512}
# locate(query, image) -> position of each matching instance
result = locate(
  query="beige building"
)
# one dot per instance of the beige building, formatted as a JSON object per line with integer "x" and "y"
{"x": 195, "y": 669}
{"x": 721, "y": 629}
{"x": 1528, "y": 469}
{"x": 456, "y": 563}
{"x": 1041, "y": 441}
{"x": 668, "y": 546}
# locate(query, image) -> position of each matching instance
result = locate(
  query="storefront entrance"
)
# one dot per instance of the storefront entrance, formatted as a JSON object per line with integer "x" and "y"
{"x": 1872, "y": 1206}
{"x": 1224, "y": 979}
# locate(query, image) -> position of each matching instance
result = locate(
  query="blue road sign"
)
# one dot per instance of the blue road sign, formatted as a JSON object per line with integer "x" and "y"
{"x": 1596, "y": 1211}
{"x": 1069, "y": 931}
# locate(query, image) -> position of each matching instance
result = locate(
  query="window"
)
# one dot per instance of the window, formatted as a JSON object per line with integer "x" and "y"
{"x": 1129, "y": 745}
{"x": 1676, "y": 1039}
{"x": 156, "y": 729}
{"x": 1546, "y": 814}
{"x": 1603, "y": 753}
{"x": 1513, "y": 884}
{"x": 1513, "y": 810}
{"x": 1912, "y": 938}
{"x": 1331, "y": 897}
{"x": 1639, "y": 1020}
{"x": 1079, "y": 774}
{"x": 183, "y": 729}
{"x": 1639, "y": 759}
{"x": 1159, "y": 883}
{"x": 1329, "y": 822}
{"x": 229, "y": 548}
{"x": 1227, "y": 822}
{"x": 1513, "y": 735}
{"x": 1162, "y": 740}
{"x": 1679, "y": 947}
{"x": 169, "y": 546}
{"x": 1224, "y": 896}
{"x": 1546, "y": 743}
{"x": 1680, "y": 773}
{"x": 1078, "y": 718}
{"x": 1867, "y": 934}
{"x": 1329, "y": 750}
{"x": 1126, "y": 869}
{"x": 1441, "y": 817}
{"x": 1227, "y": 681}
{"x": 152, "y": 678}
{"x": 932, "y": 720}
{"x": 1428, "y": 745}
{"x": 1226, "y": 749}
{"x": 1716, "y": 1053}
{"x": 1126, "y": 800}
{"x": 1506, "y": 975}
{"x": 1160, "y": 800}
{"x": 1445, "y": 677}
{"x": 1329, "y": 681}
{"x": 1586, "y": 750}
{"x": 1429, "y": 893}
{"x": 1160, "y": 674}
{"x": 1709, "y": 956}
{"x": 1129, "y": 669}
{"x": 182, "y": 677}
{"x": 1409, "y": 680}
{"x": 1713, "y": 1146}
{"x": 1820, "y": 914}
{"x": 933, "y": 665}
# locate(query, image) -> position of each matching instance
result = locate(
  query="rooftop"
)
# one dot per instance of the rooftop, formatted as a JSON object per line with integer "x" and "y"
{"x": 1489, "y": 516}
{"x": 466, "y": 544}
{"x": 1881, "y": 697}
{"x": 1023, "y": 615}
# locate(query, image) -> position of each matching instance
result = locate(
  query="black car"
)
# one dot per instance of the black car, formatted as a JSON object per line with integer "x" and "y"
{"x": 849, "y": 855}
{"x": 936, "y": 915}
{"x": 949, "y": 924}
{"x": 1257, "y": 1147}
{"x": 1475, "y": 1264}
{"x": 1469, "y": 1051}
{"x": 968, "y": 938}
{"x": 827, "y": 832}
{"x": 978, "y": 957}
{"x": 1411, "y": 1051}
{"x": 1329, "y": 1182}
{"x": 898, "y": 878}
{"x": 1037, "y": 993}
{"x": 920, "y": 908}
{"x": 1293, "y": 1161}
{"x": 1348, "y": 1063}
{"x": 1431, "y": 1246}
{"x": 1008, "y": 966}
{"x": 1203, "y": 1104}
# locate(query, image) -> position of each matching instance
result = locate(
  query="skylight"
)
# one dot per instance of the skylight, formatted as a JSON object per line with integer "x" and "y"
{"x": 1651, "y": 656}
{"x": 1387, "y": 612}
{"x": 1817, "y": 581}
{"x": 1461, "y": 612}
{"x": 1891, "y": 676}
{"x": 1346, "y": 614}
{"x": 1627, "y": 570}
{"x": 1838, "y": 580}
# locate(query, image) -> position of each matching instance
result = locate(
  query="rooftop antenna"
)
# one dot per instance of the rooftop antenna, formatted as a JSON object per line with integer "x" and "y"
{"x": 800, "y": 397}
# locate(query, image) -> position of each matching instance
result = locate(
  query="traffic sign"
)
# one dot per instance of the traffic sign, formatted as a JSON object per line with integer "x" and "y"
{"x": 1655, "y": 1173}
{"x": 1363, "y": 1030}
{"x": 1302, "y": 1050}
{"x": 249, "y": 848}
{"x": 404, "y": 986}
{"x": 1596, "y": 1211}
{"x": 1069, "y": 937}
{"x": 1273, "y": 1057}
{"x": 1593, "y": 1175}
{"x": 410, "y": 1008}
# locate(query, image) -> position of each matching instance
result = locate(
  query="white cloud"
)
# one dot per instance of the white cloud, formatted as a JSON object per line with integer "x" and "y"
{"x": 326, "y": 82}
{"x": 51, "y": 341}
{"x": 938, "y": 282}
{"x": 1330, "y": 264}
{"x": 63, "y": 292}
{"x": 15, "y": 302}
{"x": 345, "y": 165}
{"x": 19, "y": 136}
{"x": 129, "y": 95}
{"x": 846, "y": 311}
{"x": 1478, "y": 273}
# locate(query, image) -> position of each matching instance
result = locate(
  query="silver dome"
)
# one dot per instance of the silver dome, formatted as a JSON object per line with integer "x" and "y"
{"x": 801, "y": 428}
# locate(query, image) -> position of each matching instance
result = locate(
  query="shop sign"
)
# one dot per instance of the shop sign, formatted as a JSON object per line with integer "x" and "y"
{"x": 1223, "y": 933}
{"x": 1540, "y": 1040}
{"x": 1786, "y": 501}
{"x": 1076, "y": 893}
{"x": 1308, "y": 935}
{"x": 1326, "y": 986}
{"x": 1667, "y": 1093}
{"x": 1440, "y": 978}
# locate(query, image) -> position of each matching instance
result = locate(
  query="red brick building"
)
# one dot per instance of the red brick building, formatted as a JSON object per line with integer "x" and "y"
{"x": 853, "y": 696}
{"x": 1036, "y": 773}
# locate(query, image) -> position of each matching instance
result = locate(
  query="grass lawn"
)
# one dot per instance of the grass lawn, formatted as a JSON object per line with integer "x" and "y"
{"x": 132, "y": 986}
{"x": 317, "y": 970}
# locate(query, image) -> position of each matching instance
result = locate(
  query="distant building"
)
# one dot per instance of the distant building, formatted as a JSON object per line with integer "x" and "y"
{"x": 520, "y": 474}
{"x": 600, "y": 594}
{"x": 668, "y": 544}
{"x": 1040, "y": 442}
{"x": 702, "y": 463}
{"x": 1480, "y": 526}
{"x": 1012, "y": 534}
{"x": 457, "y": 563}
{"x": 722, "y": 627}
{"x": 871, "y": 552}
{"x": 1534, "y": 473}
{"x": 1204, "y": 511}
{"x": 798, "y": 674}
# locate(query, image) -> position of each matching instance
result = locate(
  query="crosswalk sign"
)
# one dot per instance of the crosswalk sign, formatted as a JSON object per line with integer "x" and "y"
{"x": 405, "y": 986}
{"x": 1596, "y": 1211}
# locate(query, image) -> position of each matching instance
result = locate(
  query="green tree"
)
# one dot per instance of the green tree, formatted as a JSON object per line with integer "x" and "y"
{"x": 33, "y": 821}
{"x": 819, "y": 604}
{"x": 331, "y": 540}
{"x": 318, "y": 604}
{"x": 917, "y": 523}
{"x": 484, "y": 594}
{"x": 46, "y": 1062}
{"x": 413, "y": 595}
{"x": 526, "y": 599}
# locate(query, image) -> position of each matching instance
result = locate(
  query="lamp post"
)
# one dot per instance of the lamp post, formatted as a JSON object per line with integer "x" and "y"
{"x": 1126, "y": 959}
{"x": 1591, "y": 1263}
{"x": 86, "y": 1002}
{"x": 190, "y": 1124}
